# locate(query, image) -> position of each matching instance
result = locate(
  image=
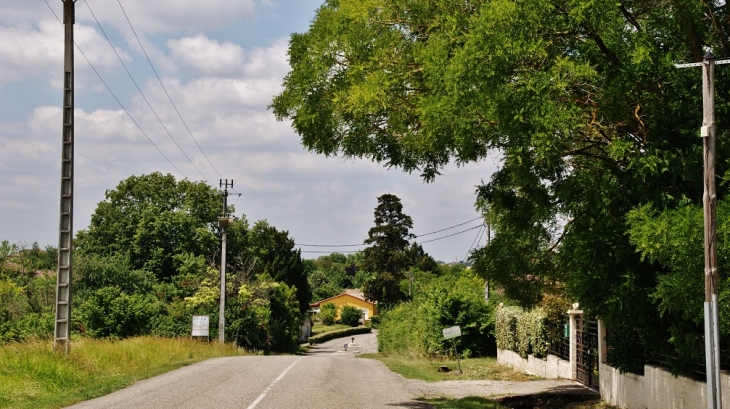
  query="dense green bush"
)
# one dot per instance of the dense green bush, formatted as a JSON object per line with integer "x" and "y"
{"x": 524, "y": 332}
{"x": 415, "y": 328}
{"x": 317, "y": 339}
{"x": 506, "y": 327}
{"x": 328, "y": 313}
{"x": 110, "y": 313}
{"x": 350, "y": 315}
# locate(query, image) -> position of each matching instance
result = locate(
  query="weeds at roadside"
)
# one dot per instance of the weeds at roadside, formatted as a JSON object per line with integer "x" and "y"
{"x": 32, "y": 375}
{"x": 472, "y": 369}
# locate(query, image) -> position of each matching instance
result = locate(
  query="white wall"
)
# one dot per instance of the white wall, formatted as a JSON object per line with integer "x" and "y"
{"x": 656, "y": 389}
{"x": 551, "y": 368}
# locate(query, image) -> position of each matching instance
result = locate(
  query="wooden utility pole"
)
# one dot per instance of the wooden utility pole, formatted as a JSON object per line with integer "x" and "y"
{"x": 709, "y": 199}
{"x": 62, "y": 327}
{"x": 223, "y": 222}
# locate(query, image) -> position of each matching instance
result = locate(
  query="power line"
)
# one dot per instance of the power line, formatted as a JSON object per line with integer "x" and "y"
{"x": 115, "y": 97}
{"x": 451, "y": 235}
{"x": 426, "y": 234}
{"x": 142, "y": 93}
{"x": 448, "y": 228}
{"x": 165, "y": 89}
{"x": 476, "y": 240}
{"x": 329, "y": 245}
{"x": 329, "y": 252}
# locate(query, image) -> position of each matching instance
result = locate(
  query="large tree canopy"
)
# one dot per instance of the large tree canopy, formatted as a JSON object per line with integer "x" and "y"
{"x": 580, "y": 98}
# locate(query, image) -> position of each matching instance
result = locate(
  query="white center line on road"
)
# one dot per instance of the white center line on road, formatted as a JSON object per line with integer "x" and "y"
{"x": 278, "y": 378}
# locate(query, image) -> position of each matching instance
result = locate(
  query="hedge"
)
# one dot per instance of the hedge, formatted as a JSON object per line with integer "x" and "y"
{"x": 340, "y": 333}
{"x": 524, "y": 332}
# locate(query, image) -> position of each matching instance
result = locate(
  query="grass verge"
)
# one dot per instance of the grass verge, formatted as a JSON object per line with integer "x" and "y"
{"x": 472, "y": 369}
{"x": 32, "y": 375}
{"x": 319, "y": 328}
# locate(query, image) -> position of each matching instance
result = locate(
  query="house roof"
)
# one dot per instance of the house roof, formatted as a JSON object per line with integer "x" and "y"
{"x": 352, "y": 292}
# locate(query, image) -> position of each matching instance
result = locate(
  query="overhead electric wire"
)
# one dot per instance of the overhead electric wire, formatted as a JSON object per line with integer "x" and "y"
{"x": 476, "y": 240}
{"x": 142, "y": 93}
{"x": 115, "y": 97}
{"x": 448, "y": 228}
{"x": 451, "y": 235}
{"x": 165, "y": 89}
{"x": 327, "y": 252}
{"x": 330, "y": 245}
{"x": 427, "y": 234}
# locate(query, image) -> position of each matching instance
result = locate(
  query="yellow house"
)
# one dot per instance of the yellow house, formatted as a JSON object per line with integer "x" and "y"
{"x": 352, "y": 297}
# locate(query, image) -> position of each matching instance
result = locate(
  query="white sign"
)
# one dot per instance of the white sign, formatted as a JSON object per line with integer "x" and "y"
{"x": 201, "y": 325}
{"x": 452, "y": 332}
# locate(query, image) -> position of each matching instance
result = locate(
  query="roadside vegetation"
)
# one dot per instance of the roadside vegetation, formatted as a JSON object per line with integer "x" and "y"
{"x": 32, "y": 375}
{"x": 473, "y": 369}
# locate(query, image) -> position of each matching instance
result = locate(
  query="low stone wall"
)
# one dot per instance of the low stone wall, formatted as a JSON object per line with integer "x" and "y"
{"x": 550, "y": 368}
{"x": 656, "y": 389}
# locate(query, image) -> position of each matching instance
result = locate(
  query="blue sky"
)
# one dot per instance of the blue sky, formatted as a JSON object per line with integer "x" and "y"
{"x": 221, "y": 62}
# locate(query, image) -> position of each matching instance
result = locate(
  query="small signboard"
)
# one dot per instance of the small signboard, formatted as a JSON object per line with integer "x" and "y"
{"x": 201, "y": 324}
{"x": 452, "y": 332}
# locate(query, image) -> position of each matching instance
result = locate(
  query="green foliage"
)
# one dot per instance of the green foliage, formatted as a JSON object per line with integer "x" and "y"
{"x": 350, "y": 315}
{"x": 525, "y": 332}
{"x": 386, "y": 256}
{"x": 110, "y": 313}
{"x": 327, "y": 336}
{"x": 328, "y": 313}
{"x": 674, "y": 239}
{"x": 505, "y": 327}
{"x": 276, "y": 256}
{"x": 415, "y": 328}
{"x": 586, "y": 110}
{"x": 151, "y": 218}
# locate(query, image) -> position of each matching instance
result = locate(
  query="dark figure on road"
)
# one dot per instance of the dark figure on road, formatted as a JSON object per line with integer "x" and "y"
{"x": 345, "y": 347}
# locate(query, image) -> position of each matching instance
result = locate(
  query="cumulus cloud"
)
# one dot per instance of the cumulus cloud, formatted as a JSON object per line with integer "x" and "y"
{"x": 28, "y": 51}
{"x": 222, "y": 90}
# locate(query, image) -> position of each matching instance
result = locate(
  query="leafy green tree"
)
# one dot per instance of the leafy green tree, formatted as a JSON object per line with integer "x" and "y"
{"x": 150, "y": 218}
{"x": 350, "y": 315}
{"x": 386, "y": 256}
{"x": 418, "y": 258}
{"x": 328, "y": 313}
{"x": 586, "y": 109}
{"x": 276, "y": 256}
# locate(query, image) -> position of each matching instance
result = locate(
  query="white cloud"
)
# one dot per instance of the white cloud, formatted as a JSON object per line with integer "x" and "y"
{"x": 170, "y": 16}
{"x": 222, "y": 90}
{"x": 27, "y": 51}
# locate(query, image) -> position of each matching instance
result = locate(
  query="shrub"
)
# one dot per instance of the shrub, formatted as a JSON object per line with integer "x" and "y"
{"x": 350, "y": 315}
{"x": 110, "y": 313}
{"x": 338, "y": 334}
{"x": 524, "y": 332}
{"x": 415, "y": 328}
{"x": 328, "y": 313}
{"x": 506, "y": 327}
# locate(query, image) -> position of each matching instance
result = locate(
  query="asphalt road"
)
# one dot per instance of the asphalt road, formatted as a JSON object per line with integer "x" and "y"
{"x": 327, "y": 377}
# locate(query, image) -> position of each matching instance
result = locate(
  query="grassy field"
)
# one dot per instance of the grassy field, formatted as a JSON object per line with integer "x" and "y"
{"x": 472, "y": 369}
{"x": 32, "y": 375}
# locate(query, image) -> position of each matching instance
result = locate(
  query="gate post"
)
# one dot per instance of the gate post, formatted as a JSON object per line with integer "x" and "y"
{"x": 574, "y": 313}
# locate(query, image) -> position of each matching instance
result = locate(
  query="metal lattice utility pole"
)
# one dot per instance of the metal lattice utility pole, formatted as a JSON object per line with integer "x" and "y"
{"x": 223, "y": 222}
{"x": 709, "y": 199}
{"x": 62, "y": 330}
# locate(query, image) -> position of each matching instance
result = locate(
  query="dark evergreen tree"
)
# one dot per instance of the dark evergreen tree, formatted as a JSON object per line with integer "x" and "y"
{"x": 387, "y": 254}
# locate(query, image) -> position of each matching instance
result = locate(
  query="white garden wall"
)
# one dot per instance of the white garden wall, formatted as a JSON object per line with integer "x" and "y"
{"x": 551, "y": 368}
{"x": 656, "y": 389}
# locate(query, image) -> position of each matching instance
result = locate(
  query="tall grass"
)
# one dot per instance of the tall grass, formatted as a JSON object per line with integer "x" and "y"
{"x": 32, "y": 375}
